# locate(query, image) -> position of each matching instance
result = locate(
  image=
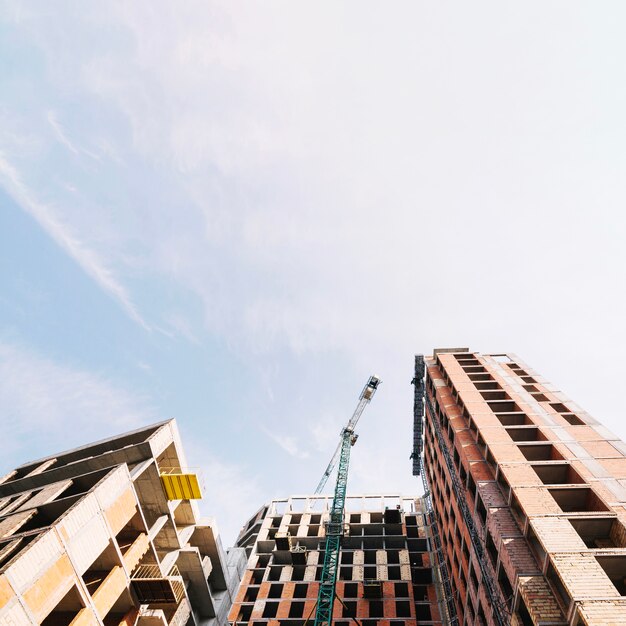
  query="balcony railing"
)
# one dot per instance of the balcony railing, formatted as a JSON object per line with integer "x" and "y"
{"x": 151, "y": 585}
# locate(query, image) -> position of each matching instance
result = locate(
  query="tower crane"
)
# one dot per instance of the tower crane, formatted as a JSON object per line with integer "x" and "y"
{"x": 334, "y": 527}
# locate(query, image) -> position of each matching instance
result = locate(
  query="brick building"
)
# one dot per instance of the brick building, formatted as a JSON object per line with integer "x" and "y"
{"x": 385, "y": 576}
{"x": 109, "y": 534}
{"x": 529, "y": 492}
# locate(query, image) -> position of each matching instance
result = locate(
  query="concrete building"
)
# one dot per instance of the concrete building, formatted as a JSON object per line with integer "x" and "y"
{"x": 110, "y": 534}
{"x": 529, "y": 492}
{"x": 385, "y": 576}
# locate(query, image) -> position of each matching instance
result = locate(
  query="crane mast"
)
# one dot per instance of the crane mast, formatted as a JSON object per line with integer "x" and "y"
{"x": 334, "y": 527}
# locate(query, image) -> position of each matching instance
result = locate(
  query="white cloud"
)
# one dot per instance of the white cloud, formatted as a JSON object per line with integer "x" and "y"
{"x": 45, "y": 403}
{"x": 62, "y": 233}
{"x": 287, "y": 443}
{"x": 432, "y": 176}
{"x": 60, "y": 133}
{"x": 62, "y": 137}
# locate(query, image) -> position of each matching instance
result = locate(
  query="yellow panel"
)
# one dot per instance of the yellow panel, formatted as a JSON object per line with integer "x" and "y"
{"x": 181, "y": 486}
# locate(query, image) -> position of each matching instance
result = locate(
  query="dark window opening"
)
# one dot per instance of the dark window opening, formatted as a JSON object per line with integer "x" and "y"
{"x": 536, "y": 547}
{"x": 276, "y": 591}
{"x": 492, "y": 550}
{"x": 540, "y": 452}
{"x": 300, "y": 591}
{"x": 518, "y": 513}
{"x": 403, "y": 609}
{"x": 471, "y": 485}
{"x": 572, "y": 420}
{"x": 274, "y": 572}
{"x": 614, "y": 567}
{"x": 540, "y": 397}
{"x": 376, "y": 608}
{"x": 422, "y": 575}
{"x": 245, "y": 613}
{"x": 524, "y": 615}
{"x": 580, "y": 499}
{"x": 561, "y": 474}
{"x": 401, "y": 590}
{"x": 480, "y": 616}
{"x": 251, "y": 594}
{"x": 348, "y": 609}
{"x": 495, "y": 395}
{"x": 487, "y": 385}
{"x": 480, "y": 377}
{"x": 561, "y": 592}
{"x": 473, "y": 578}
{"x": 351, "y": 590}
{"x": 514, "y": 419}
{"x": 600, "y": 532}
{"x": 270, "y": 610}
{"x": 296, "y": 609}
{"x": 504, "y": 485}
{"x": 559, "y": 408}
{"x": 503, "y": 406}
{"x": 420, "y": 592}
{"x": 526, "y": 433}
{"x": 481, "y": 510}
{"x": 505, "y": 587}
{"x": 393, "y": 557}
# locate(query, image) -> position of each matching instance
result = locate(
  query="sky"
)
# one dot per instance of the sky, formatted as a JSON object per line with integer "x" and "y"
{"x": 232, "y": 213}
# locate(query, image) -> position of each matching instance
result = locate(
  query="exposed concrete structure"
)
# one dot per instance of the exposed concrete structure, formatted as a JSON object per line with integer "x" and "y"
{"x": 89, "y": 536}
{"x": 545, "y": 485}
{"x": 385, "y": 576}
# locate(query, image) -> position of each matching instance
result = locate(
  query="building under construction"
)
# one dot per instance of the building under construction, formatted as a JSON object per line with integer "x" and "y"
{"x": 522, "y": 522}
{"x": 529, "y": 494}
{"x": 384, "y": 577}
{"x": 109, "y": 534}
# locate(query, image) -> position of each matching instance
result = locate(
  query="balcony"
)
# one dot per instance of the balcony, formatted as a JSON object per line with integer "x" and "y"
{"x": 133, "y": 548}
{"x": 105, "y": 587}
{"x": 179, "y": 485}
{"x": 151, "y": 585}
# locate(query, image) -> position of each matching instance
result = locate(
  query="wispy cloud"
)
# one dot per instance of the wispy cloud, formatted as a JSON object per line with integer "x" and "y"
{"x": 58, "y": 406}
{"x": 89, "y": 261}
{"x": 61, "y": 135}
{"x": 287, "y": 443}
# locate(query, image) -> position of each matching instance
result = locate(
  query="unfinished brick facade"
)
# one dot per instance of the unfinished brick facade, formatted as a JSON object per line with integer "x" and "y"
{"x": 385, "y": 574}
{"x": 546, "y": 487}
{"x": 90, "y": 537}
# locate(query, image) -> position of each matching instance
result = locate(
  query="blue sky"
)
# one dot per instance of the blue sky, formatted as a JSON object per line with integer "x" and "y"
{"x": 234, "y": 213}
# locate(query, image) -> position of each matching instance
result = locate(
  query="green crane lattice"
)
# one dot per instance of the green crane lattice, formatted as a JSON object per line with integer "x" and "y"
{"x": 334, "y": 532}
{"x": 334, "y": 528}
